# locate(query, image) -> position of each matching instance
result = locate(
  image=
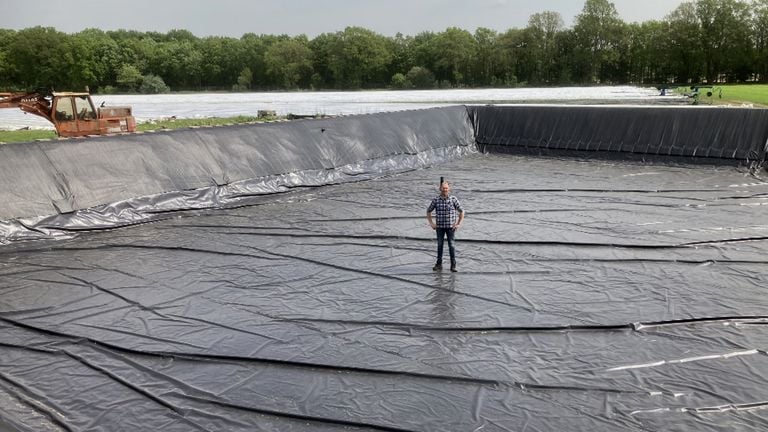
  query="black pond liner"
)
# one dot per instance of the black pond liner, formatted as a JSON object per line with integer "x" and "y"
{"x": 279, "y": 277}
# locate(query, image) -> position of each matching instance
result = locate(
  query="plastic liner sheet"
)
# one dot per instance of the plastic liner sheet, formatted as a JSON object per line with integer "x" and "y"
{"x": 700, "y": 134}
{"x": 591, "y": 295}
{"x": 59, "y": 177}
{"x": 245, "y": 192}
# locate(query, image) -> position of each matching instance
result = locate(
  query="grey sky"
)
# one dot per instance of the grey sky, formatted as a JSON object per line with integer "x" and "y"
{"x": 310, "y": 17}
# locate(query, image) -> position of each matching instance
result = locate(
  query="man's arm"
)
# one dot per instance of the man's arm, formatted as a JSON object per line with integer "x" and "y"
{"x": 457, "y": 206}
{"x": 461, "y": 219}
{"x": 430, "y": 209}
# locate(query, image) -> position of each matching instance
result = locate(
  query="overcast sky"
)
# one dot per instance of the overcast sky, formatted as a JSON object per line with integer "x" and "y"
{"x": 309, "y": 17}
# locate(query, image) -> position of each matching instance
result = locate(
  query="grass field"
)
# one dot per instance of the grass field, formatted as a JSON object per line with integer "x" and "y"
{"x": 25, "y": 135}
{"x": 729, "y": 94}
{"x": 756, "y": 94}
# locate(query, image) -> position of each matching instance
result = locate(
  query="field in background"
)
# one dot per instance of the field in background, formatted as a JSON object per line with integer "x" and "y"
{"x": 755, "y": 95}
{"x": 746, "y": 93}
{"x": 739, "y": 94}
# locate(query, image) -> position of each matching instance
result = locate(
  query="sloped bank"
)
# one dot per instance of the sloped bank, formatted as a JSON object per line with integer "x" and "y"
{"x": 47, "y": 186}
{"x": 52, "y": 187}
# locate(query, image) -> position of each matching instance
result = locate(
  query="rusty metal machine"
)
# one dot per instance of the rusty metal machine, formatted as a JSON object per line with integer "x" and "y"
{"x": 72, "y": 114}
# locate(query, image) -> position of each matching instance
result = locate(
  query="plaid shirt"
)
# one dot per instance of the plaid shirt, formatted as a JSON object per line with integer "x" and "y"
{"x": 446, "y": 210}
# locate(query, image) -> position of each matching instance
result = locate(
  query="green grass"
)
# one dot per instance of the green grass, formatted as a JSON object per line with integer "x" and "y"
{"x": 165, "y": 124}
{"x": 746, "y": 93}
{"x": 731, "y": 94}
{"x": 25, "y": 135}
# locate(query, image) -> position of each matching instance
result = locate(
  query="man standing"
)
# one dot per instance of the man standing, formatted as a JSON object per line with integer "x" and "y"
{"x": 449, "y": 215}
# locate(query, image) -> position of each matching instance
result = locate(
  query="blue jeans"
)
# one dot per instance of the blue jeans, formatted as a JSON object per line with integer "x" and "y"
{"x": 441, "y": 234}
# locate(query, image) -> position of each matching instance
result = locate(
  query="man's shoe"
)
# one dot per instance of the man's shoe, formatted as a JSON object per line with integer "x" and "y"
{"x": 437, "y": 267}
{"x": 453, "y": 268}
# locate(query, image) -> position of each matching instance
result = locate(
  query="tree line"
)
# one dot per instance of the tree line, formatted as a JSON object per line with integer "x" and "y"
{"x": 713, "y": 41}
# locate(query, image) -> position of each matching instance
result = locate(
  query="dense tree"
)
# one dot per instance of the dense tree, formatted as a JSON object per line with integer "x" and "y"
{"x": 179, "y": 64}
{"x": 598, "y": 31}
{"x": 512, "y": 58}
{"x": 324, "y": 54}
{"x": 542, "y": 35}
{"x": 760, "y": 39}
{"x": 421, "y": 78}
{"x": 128, "y": 77}
{"x": 454, "y": 55}
{"x": 359, "y": 57}
{"x": 7, "y": 38}
{"x": 399, "y": 82}
{"x": 422, "y": 49}
{"x": 39, "y": 57}
{"x": 289, "y": 63}
{"x": 487, "y": 63}
{"x": 141, "y": 52}
{"x": 701, "y": 40}
{"x": 685, "y": 59}
{"x": 565, "y": 44}
{"x": 643, "y": 56}
{"x": 179, "y": 35}
{"x": 93, "y": 59}
{"x": 153, "y": 84}
{"x": 244, "y": 80}
{"x": 402, "y": 54}
{"x": 223, "y": 61}
{"x": 725, "y": 38}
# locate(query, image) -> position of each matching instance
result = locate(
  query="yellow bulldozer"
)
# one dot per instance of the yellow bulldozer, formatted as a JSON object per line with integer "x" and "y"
{"x": 72, "y": 114}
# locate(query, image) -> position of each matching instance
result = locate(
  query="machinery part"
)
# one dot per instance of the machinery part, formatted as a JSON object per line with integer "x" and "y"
{"x": 72, "y": 114}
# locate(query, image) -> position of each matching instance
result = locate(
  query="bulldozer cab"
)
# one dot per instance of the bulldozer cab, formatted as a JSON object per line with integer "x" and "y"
{"x": 74, "y": 114}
